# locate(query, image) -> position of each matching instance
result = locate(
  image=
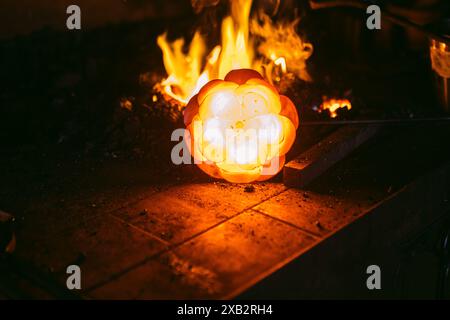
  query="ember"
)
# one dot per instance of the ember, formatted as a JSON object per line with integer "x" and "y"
{"x": 332, "y": 105}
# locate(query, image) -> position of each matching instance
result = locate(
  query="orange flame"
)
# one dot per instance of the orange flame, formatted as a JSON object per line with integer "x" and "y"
{"x": 189, "y": 72}
{"x": 332, "y": 105}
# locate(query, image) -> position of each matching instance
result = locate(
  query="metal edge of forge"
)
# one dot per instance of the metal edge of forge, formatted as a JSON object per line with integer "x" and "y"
{"x": 378, "y": 232}
{"x": 303, "y": 169}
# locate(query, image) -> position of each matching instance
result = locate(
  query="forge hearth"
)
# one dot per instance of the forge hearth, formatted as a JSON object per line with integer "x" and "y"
{"x": 86, "y": 172}
{"x": 197, "y": 238}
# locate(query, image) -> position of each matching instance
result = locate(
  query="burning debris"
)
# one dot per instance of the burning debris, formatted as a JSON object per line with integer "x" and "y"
{"x": 333, "y": 105}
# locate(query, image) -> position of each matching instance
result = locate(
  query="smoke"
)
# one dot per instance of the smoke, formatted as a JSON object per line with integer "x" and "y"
{"x": 199, "y": 5}
{"x": 282, "y": 40}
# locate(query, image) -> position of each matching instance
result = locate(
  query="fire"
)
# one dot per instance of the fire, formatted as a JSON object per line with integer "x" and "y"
{"x": 440, "y": 58}
{"x": 332, "y": 105}
{"x": 258, "y": 44}
{"x": 281, "y": 44}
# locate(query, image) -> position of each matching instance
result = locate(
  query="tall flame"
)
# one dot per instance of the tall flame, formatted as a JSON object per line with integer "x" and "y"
{"x": 189, "y": 72}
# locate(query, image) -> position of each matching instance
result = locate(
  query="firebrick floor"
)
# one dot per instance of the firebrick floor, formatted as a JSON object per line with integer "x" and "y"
{"x": 144, "y": 233}
{"x": 188, "y": 240}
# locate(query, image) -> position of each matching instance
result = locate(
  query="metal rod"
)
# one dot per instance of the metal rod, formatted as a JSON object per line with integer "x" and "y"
{"x": 386, "y": 15}
{"x": 376, "y": 121}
